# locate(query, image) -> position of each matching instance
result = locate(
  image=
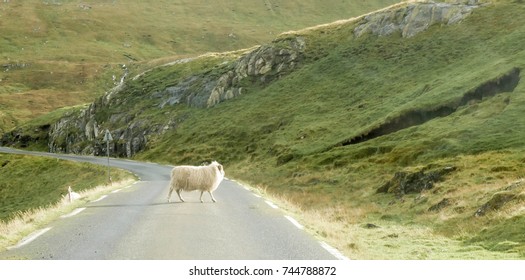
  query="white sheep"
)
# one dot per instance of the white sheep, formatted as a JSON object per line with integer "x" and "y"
{"x": 191, "y": 178}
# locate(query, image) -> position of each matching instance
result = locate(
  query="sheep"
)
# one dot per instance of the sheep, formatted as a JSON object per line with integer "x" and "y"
{"x": 191, "y": 178}
{"x": 71, "y": 195}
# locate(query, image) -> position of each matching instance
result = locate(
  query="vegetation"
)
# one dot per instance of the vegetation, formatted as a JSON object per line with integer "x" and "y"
{"x": 69, "y": 52}
{"x": 305, "y": 139}
{"x": 49, "y": 181}
{"x": 293, "y": 138}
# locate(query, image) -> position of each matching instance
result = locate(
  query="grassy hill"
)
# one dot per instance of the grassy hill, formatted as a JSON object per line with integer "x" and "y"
{"x": 28, "y": 202}
{"x": 66, "y": 52}
{"x": 50, "y": 179}
{"x": 443, "y": 105}
{"x": 386, "y": 147}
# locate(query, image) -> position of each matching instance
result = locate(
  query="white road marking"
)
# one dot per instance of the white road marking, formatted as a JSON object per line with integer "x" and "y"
{"x": 294, "y": 222}
{"x": 333, "y": 251}
{"x": 100, "y": 198}
{"x": 76, "y": 211}
{"x": 256, "y": 195}
{"x": 271, "y": 204}
{"x": 30, "y": 238}
{"x": 116, "y": 191}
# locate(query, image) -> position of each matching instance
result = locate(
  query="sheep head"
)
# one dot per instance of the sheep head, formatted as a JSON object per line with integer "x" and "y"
{"x": 219, "y": 167}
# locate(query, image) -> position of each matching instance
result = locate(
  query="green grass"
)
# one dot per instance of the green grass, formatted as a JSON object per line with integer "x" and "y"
{"x": 66, "y": 52}
{"x": 505, "y": 236}
{"x": 35, "y": 131}
{"x": 30, "y": 182}
{"x": 286, "y": 138}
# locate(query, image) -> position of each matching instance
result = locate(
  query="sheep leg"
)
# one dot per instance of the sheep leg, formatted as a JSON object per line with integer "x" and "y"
{"x": 212, "y": 198}
{"x": 169, "y": 194}
{"x": 201, "y": 196}
{"x": 180, "y": 197}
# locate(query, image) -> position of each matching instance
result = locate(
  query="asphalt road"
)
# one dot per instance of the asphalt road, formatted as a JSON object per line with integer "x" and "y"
{"x": 136, "y": 222}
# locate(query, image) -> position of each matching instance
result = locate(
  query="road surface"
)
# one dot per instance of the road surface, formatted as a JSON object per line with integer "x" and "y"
{"x": 136, "y": 222}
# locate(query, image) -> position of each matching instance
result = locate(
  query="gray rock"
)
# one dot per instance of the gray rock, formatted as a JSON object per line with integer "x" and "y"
{"x": 414, "y": 18}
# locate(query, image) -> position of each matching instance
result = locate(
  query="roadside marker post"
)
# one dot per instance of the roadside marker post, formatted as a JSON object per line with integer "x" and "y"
{"x": 108, "y": 138}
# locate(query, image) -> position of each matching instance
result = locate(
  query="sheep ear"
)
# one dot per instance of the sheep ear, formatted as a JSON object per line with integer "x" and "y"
{"x": 220, "y": 167}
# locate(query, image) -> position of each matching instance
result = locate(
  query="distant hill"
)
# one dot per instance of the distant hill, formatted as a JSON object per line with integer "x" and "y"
{"x": 58, "y": 53}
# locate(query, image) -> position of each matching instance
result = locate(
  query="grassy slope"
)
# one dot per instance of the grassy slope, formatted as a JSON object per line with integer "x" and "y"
{"x": 49, "y": 181}
{"x": 65, "y": 55}
{"x": 284, "y": 138}
{"x": 66, "y": 52}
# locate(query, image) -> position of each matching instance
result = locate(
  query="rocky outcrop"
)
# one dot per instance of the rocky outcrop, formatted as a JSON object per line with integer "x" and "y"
{"x": 505, "y": 196}
{"x": 445, "y": 202}
{"x": 415, "y": 182}
{"x": 82, "y": 132}
{"x": 497, "y": 201}
{"x": 414, "y": 18}
{"x": 261, "y": 66}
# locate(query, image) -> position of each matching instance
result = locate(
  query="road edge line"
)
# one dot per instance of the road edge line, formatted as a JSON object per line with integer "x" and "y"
{"x": 271, "y": 204}
{"x": 333, "y": 251}
{"x": 76, "y": 211}
{"x": 30, "y": 238}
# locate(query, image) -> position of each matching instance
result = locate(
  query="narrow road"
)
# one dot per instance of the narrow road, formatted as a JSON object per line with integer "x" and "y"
{"x": 136, "y": 222}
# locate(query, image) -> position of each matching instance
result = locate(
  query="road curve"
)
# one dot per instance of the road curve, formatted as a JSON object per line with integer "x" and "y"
{"x": 136, "y": 222}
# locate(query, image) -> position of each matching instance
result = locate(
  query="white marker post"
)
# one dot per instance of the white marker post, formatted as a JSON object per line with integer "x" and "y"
{"x": 108, "y": 138}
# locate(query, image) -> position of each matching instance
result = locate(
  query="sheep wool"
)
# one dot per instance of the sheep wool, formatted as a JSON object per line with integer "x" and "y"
{"x": 190, "y": 178}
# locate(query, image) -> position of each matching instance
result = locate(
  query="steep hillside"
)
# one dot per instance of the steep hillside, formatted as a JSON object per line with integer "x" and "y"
{"x": 66, "y": 52}
{"x": 395, "y": 135}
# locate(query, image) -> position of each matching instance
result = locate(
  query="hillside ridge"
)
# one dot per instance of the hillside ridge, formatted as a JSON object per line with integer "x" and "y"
{"x": 80, "y": 133}
{"x": 66, "y": 52}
